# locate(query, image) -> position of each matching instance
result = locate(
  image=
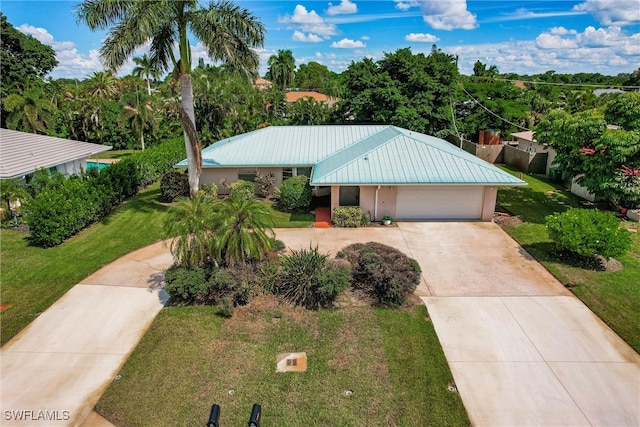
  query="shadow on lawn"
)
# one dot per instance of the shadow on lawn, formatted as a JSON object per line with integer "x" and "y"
{"x": 547, "y": 252}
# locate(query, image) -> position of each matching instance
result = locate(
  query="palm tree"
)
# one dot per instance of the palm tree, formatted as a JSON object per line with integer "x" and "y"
{"x": 102, "y": 84}
{"x": 282, "y": 69}
{"x": 30, "y": 111}
{"x": 145, "y": 69}
{"x": 141, "y": 118}
{"x": 243, "y": 230}
{"x": 190, "y": 231}
{"x": 227, "y": 31}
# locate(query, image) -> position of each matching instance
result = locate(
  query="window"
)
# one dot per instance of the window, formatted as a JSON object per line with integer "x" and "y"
{"x": 247, "y": 175}
{"x": 306, "y": 171}
{"x": 287, "y": 173}
{"x": 301, "y": 170}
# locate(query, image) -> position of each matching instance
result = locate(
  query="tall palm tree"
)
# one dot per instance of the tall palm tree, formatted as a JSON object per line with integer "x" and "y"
{"x": 227, "y": 31}
{"x": 282, "y": 69}
{"x": 141, "y": 117}
{"x": 145, "y": 69}
{"x": 243, "y": 230}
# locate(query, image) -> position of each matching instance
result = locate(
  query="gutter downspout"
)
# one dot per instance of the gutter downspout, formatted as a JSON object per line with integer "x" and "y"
{"x": 375, "y": 205}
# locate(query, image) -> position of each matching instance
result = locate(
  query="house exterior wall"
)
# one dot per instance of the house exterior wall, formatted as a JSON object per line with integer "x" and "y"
{"x": 581, "y": 191}
{"x": 526, "y": 161}
{"x": 368, "y": 201}
{"x": 489, "y": 202}
{"x": 215, "y": 175}
{"x": 73, "y": 167}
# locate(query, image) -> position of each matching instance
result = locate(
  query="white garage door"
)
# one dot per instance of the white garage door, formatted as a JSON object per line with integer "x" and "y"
{"x": 439, "y": 202}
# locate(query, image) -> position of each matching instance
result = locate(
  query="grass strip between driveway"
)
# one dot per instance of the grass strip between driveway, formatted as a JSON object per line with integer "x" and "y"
{"x": 365, "y": 367}
{"x": 613, "y": 296}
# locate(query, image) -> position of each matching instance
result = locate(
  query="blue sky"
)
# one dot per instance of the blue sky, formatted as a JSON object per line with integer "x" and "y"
{"x": 525, "y": 37}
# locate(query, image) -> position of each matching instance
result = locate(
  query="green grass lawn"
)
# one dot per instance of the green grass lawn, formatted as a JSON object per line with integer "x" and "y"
{"x": 614, "y": 297}
{"x": 34, "y": 278}
{"x": 366, "y": 367}
{"x": 114, "y": 154}
{"x": 289, "y": 220}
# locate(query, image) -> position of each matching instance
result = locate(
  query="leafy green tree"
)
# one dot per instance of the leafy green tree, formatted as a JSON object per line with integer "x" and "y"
{"x": 308, "y": 111}
{"x": 624, "y": 111}
{"x": 22, "y": 58}
{"x": 282, "y": 69}
{"x": 605, "y": 161}
{"x": 314, "y": 76}
{"x": 32, "y": 111}
{"x": 243, "y": 230}
{"x": 145, "y": 69}
{"x": 227, "y": 31}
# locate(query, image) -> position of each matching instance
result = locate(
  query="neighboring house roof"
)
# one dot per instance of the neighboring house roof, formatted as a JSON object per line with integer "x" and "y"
{"x": 22, "y": 153}
{"x": 356, "y": 154}
{"x": 599, "y": 92}
{"x": 295, "y": 95}
{"x": 262, "y": 83}
{"x": 526, "y": 135}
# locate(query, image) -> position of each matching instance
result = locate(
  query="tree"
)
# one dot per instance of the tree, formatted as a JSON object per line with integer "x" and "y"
{"x": 243, "y": 230}
{"x": 30, "y": 111}
{"x": 282, "y": 69}
{"x": 146, "y": 69}
{"x": 22, "y": 58}
{"x": 190, "y": 232}
{"x": 102, "y": 85}
{"x": 141, "y": 117}
{"x": 605, "y": 161}
{"x": 227, "y": 31}
{"x": 624, "y": 111}
{"x": 314, "y": 76}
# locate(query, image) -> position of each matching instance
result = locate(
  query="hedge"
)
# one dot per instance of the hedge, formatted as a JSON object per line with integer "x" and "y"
{"x": 348, "y": 216}
{"x": 63, "y": 206}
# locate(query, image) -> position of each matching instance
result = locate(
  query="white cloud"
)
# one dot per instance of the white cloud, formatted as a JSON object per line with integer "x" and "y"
{"x": 299, "y": 36}
{"x": 421, "y": 38}
{"x": 443, "y": 15}
{"x": 309, "y": 22}
{"x": 347, "y": 44}
{"x": 71, "y": 63}
{"x": 344, "y": 8}
{"x": 365, "y": 38}
{"x": 551, "y": 41}
{"x": 612, "y": 12}
{"x": 601, "y": 37}
{"x": 561, "y": 31}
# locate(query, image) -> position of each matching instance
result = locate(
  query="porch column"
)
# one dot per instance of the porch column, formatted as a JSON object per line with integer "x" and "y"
{"x": 335, "y": 198}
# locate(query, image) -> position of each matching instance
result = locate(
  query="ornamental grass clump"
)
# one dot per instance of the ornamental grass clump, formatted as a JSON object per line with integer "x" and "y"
{"x": 588, "y": 233}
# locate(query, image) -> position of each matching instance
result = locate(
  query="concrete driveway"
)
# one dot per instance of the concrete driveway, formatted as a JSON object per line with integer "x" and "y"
{"x": 522, "y": 349}
{"x": 55, "y": 370}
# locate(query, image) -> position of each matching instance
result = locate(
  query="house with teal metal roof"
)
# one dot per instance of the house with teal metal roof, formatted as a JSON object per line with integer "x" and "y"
{"x": 385, "y": 169}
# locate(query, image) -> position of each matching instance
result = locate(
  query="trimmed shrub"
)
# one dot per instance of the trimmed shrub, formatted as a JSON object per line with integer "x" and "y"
{"x": 186, "y": 285}
{"x": 209, "y": 190}
{"x": 242, "y": 189}
{"x": 309, "y": 279}
{"x": 588, "y": 232}
{"x": 382, "y": 272}
{"x": 295, "y": 194}
{"x": 174, "y": 184}
{"x": 348, "y": 216}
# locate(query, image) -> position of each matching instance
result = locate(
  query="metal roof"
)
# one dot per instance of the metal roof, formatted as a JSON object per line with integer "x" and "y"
{"x": 357, "y": 154}
{"x": 23, "y": 153}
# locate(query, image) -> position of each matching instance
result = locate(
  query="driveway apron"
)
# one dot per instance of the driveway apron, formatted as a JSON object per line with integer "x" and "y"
{"x": 523, "y": 350}
{"x": 55, "y": 370}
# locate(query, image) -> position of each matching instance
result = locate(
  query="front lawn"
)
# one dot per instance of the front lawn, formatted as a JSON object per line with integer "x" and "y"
{"x": 34, "y": 278}
{"x": 365, "y": 367}
{"x": 614, "y": 297}
{"x": 289, "y": 220}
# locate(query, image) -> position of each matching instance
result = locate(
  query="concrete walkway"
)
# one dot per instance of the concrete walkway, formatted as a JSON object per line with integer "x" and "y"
{"x": 55, "y": 370}
{"x": 522, "y": 349}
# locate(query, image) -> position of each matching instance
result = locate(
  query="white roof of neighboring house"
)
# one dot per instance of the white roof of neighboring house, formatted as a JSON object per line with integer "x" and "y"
{"x": 526, "y": 135}
{"x": 23, "y": 153}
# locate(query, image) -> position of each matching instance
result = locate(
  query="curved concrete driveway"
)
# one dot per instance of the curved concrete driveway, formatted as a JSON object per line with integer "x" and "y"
{"x": 55, "y": 370}
{"x": 522, "y": 349}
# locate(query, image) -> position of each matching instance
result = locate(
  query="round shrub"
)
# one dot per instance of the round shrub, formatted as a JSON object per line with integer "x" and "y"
{"x": 186, "y": 285}
{"x": 588, "y": 232}
{"x": 174, "y": 184}
{"x": 295, "y": 194}
{"x": 209, "y": 190}
{"x": 382, "y": 272}
{"x": 309, "y": 279}
{"x": 242, "y": 189}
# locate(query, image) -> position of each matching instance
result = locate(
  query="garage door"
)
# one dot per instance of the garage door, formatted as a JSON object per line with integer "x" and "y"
{"x": 439, "y": 202}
